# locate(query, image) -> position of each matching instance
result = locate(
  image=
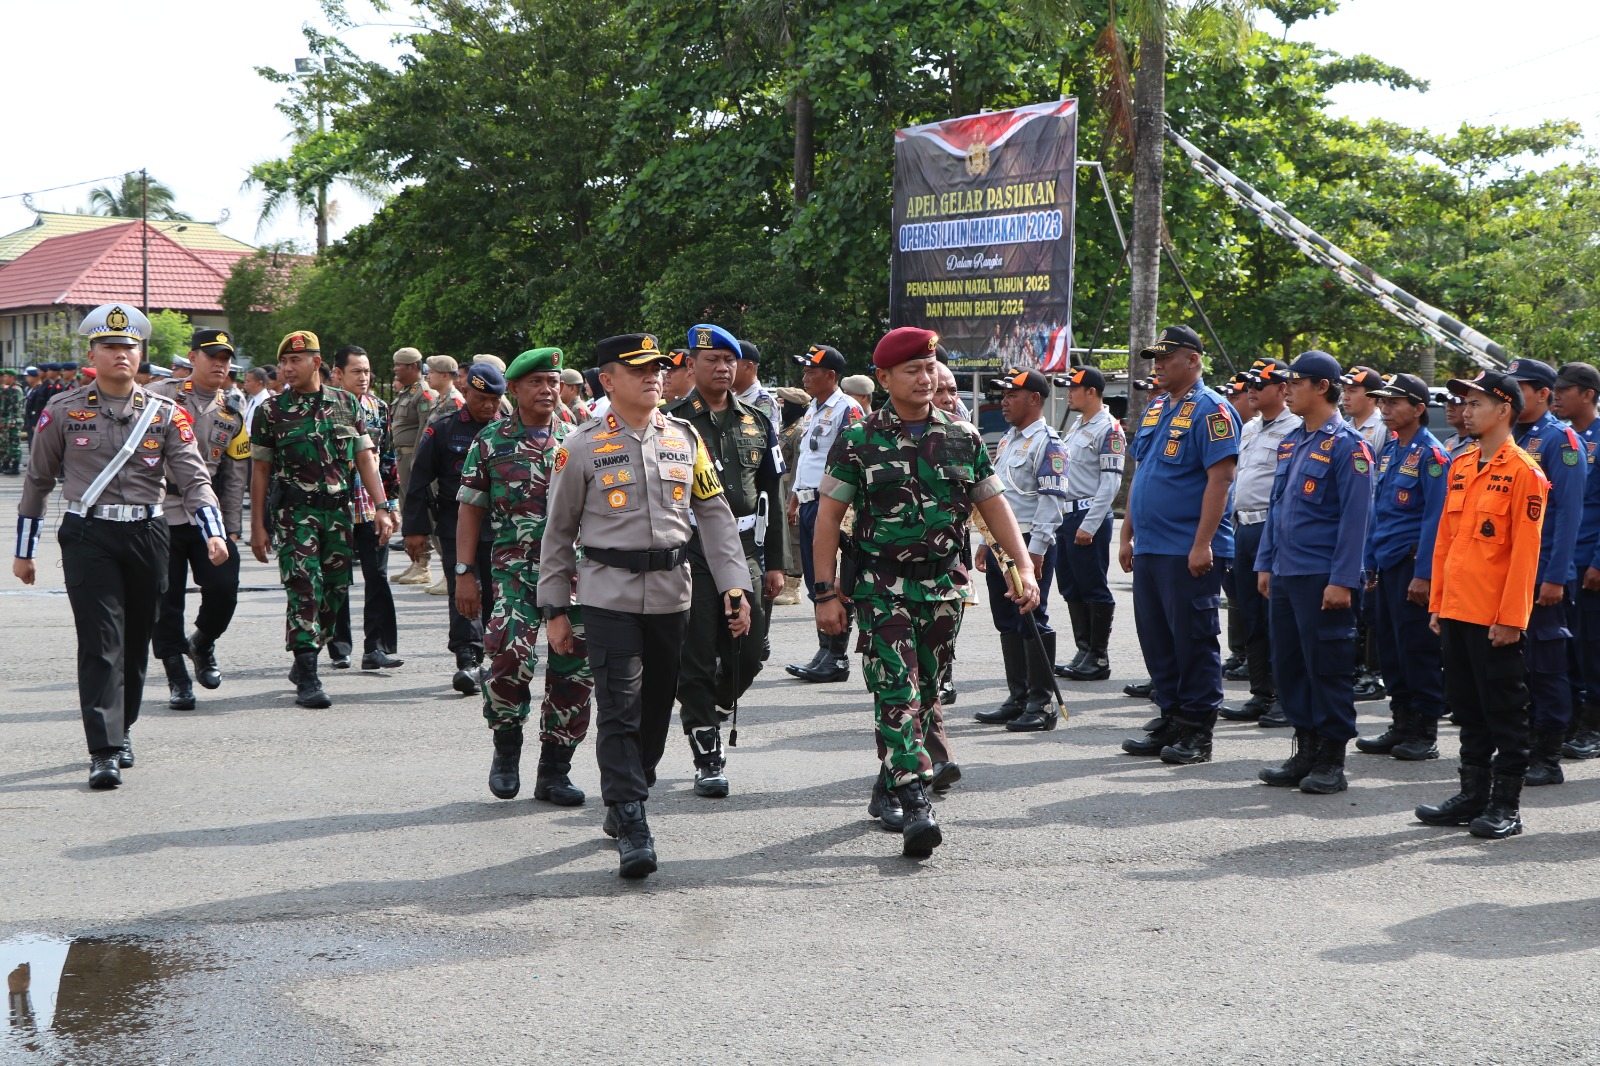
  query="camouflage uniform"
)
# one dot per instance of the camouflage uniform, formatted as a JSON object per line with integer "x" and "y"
{"x": 507, "y": 472}
{"x": 912, "y": 498}
{"x": 311, "y": 441}
{"x": 11, "y": 418}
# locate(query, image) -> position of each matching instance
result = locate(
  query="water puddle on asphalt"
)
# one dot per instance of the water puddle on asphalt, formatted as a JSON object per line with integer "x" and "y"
{"x": 69, "y": 997}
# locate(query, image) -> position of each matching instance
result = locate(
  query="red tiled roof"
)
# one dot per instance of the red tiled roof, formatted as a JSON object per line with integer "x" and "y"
{"x": 106, "y": 265}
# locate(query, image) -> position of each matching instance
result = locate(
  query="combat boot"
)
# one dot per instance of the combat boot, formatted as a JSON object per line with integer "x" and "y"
{"x": 1583, "y": 740}
{"x": 415, "y": 574}
{"x": 885, "y": 805}
{"x": 125, "y": 753}
{"x": 1368, "y": 687}
{"x": 1503, "y": 817}
{"x": 920, "y": 834}
{"x": 1544, "y": 761}
{"x": 203, "y": 651}
{"x": 790, "y": 596}
{"x": 1422, "y": 740}
{"x": 1273, "y": 717}
{"x": 465, "y": 680}
{"x": 1291, "y": 773}
{"x": 1079, "y": 614}
{"x": 1191, "y": 743}
{"x": 824, "y": 652}
{"x": 1014, "y": 658}
{"x": 1165, "y": 732}
{"x": 505, "y": 769}
{"x": 1465, "y": 805}
{"x": 1250, "y": 710}
{"x": 945, "y": 774}
{"x": 1096, "y": 666}
{"x": 180, "y": 690}
{"x": 1039, "y": 713}
{"x": 551, "y": 783}
{"x": 103, "y": 772}
{"x": 307, "y": 687}
{"x": 636, "y": 848}
{"x": 710, "y": 775}
{"x": 1327, "y": 768}
{"x": 1384, "y": 743}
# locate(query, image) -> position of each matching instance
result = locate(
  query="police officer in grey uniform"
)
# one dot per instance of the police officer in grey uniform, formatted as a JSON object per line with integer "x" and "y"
{"x": 223, "y": 440}
{"x": 624, "y": 487}
{"x": 115, "y": 448}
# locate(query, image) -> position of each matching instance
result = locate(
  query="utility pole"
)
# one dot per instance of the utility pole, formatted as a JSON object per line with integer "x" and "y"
{"x": 316, "y": 68}
{"x": 144, "y": 234}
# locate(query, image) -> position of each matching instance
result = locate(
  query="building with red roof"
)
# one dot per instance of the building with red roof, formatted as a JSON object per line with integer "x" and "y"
{"x": 74, "y": 273}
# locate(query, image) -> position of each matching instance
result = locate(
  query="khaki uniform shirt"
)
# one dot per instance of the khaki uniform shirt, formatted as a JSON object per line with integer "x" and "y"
{"x": 80, "y": 431}
{"x": 408, "y": 415}
{"x": 223, "y": 439}
{"x": 633, "y": 490}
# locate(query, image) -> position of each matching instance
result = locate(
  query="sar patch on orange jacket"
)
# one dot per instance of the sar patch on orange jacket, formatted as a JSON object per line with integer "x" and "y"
{"x": 1486, "y": 556}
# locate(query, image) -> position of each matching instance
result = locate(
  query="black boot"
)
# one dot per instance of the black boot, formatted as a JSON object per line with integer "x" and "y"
{"x": 1422, "y": 739}
{"x": 1250, "y": 710}
{"x": 920, "y": 833}
{"x": 180, "y": 690}
{"x": 1096, "y": 665}
{"x": 1191, "y": 743}
{"x": 307, "y": 688}
{"x": 1015, "y": 660}
{"x": 1327, "y": 768}
{"x": 818, "y": 661}
{"x": 505, "y": 769}
{"x": 1273, "y": 717}
{"x": 125, "y": 753}
{"x": 203, "y": 651}
{"x": 885, "y": 805}
{"x": 465, "y": 680}
{"x": 1291, "y": 773}
{"x": 1544, "y": 760}
{"x": 1465, "y": 805}
{"x": 1079, "y": 614}
{"x": 1384, "y": 743}
{"x": 1139, "y": 690}
{"x": 1039, "y": 714}
{"x": 636, "y": 848}
{"x": 1154, "y": 739}
{"x": 710, "y": 764}
{"x": 551, "y": 783}
{"x": 1503, "y": 817}
{"x": 1583, "y": 739}
{"x": 103, "y": 772}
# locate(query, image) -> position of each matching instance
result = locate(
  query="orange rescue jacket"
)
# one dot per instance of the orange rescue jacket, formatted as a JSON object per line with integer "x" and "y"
{"x": 1486, "y": 557}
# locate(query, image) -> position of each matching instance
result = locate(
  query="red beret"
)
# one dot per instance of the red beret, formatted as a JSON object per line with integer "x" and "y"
{"x": 904, "y": 344}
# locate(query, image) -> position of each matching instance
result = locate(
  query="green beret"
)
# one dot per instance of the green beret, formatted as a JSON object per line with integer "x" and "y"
{"x": 534, "y": 361}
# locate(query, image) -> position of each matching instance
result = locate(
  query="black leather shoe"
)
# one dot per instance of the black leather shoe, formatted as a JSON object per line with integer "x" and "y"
{"x": 1153, "y": 724}
{"x": 465, "y": 680}
{"x": 1421, "y": 742}
{"x": 1544, "y": 761}
{"x": 884, "y": 805}
{"x": 1465, "y": 805}
{"x": 1274, "y": 718}
{"x": 202, "y": 651}
{"x": 338, "y": 662}
{"x": 1034, "y": 719}
{"x": 1368, "y": 688}
{"x": 125, "y": 753}
{"x": 636, "y": 848}
{"x": 308, "y": 687}
{"x": 1250, "y": 710}
{"x": 103, "y": 772}
{"x": 947, "y": 693}
{"x": 945, "y": 774}
{"x": 1191, "y": 744}
{"x": 380, "y": 660}
{"x": 1384, "y": 743}
{"x": 552, "y": 785}
{"x": 180, "y": 690}
{"x": 1153, "y": 740}
{"x": 505, "y": 769}
{"x": 1093, "y": 669}
{"x": 1236, "y": 668}
{"x": 1139, "y": 690}
{"x": 824, "y": 653}
{"x": 920, "y": 834}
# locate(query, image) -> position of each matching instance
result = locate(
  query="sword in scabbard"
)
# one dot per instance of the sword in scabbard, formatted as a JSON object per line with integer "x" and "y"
{"x": 1014, "y": 579}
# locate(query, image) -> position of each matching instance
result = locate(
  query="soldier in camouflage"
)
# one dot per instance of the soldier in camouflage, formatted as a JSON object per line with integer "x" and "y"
{"x": 12, "y": 399}
{"x": 306, "y": 444}
{"x": 506, "y": 476}
{"x": 914, "y": 474}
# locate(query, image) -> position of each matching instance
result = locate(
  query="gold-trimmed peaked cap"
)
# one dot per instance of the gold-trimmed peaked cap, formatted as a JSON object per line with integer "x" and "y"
{"x": 634, "y": 349}
{"x": 112, "y": 322}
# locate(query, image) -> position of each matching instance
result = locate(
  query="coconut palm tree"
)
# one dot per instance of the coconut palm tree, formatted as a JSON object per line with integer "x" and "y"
{"x": 137, "y": 197}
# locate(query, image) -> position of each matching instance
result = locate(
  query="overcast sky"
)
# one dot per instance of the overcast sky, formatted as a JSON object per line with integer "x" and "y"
{"x": 182, "y": 98}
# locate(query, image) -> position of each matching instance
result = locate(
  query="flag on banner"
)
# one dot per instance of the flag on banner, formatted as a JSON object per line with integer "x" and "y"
{"x": 1057, "y": 350}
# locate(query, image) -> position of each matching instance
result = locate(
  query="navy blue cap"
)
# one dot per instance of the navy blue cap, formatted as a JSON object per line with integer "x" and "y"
{"x": 485, "y": 378}
{"x": 1539, "y": 375}
{"x": 1402, "y": 387}
{"x": 1318, "y": 366}
{"x": 749, "y": 352}
{"x": 69, "y": 366}
{"x": 1502, "y": 387}
{"x": 1172, "y": 339}
{"x": 706, "y": 335}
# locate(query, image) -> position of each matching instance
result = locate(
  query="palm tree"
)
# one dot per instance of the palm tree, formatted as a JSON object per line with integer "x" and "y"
{"x": 138, "y": 197}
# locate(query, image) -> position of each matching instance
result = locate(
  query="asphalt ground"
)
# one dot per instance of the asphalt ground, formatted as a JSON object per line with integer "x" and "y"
{"x": 277, "y": 885}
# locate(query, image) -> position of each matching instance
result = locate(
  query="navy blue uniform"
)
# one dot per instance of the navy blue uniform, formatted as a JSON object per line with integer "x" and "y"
{"x": 1179, "y": 440}
{"x": 1315, "y": 537}
{"x": 1585, "y": 656}
{"x": 1408, "y": 497}
{"x": 1564, "y": 461}
{"x": 431, "y": 506}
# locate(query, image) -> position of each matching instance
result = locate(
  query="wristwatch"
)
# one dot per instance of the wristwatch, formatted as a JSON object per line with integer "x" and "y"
{"x": 552, "y": 612}
{"x": 389, "y": 505}
{"x": 820, "y": 588}
{"x": 466, "y": 568}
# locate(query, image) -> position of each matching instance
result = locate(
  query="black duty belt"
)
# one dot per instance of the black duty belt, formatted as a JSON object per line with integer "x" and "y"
{"x": 661, "y": 559}
{"x": 914, "y": 570}
{"x": 295, "y": 496}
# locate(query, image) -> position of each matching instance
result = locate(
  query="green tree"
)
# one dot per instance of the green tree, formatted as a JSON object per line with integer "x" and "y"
{"x": 133, "y": 197}
{"x": 54, "y": 342}
{"x": 170, "y": 332}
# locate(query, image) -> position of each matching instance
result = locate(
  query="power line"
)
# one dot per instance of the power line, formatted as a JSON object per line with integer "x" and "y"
{"x": 69, "y": 185}
{"x": 1513, "y": 66}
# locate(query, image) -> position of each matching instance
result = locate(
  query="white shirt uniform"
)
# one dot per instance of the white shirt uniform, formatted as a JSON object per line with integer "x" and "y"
{"x": 822, "y": 422}
{"x": 1096, "y": 453}
{"x": 1031, "y": 465}
{"x": 1258, "y": 463}
{"x": 1372, "y": 430}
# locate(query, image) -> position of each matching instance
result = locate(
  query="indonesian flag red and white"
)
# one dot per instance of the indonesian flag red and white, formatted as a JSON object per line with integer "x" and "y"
{"x": 1057, "y": 350}
{"x": 957, "y": 135}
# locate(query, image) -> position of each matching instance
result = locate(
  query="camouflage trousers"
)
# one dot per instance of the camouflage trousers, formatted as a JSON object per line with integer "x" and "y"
{"x": 314, "y": 560}
{"x": 511, "y": 647}
{"x": 905, "y": 648}
{"x": 10, "y": 443}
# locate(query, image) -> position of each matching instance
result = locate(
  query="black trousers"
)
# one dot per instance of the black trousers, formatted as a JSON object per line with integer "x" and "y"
{"x": 219, "y": 590}
{"x": 115, "y": 574}
{"x": 380, "y": 632}
{"x": 702, "y": 686}
{"x": 632, "y": 716}
{"x": 467, "y": 632}
{"x": 1487, "y": 693}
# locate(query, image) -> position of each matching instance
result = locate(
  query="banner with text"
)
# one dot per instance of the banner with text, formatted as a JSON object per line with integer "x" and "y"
{"x": 983, "y": 210}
